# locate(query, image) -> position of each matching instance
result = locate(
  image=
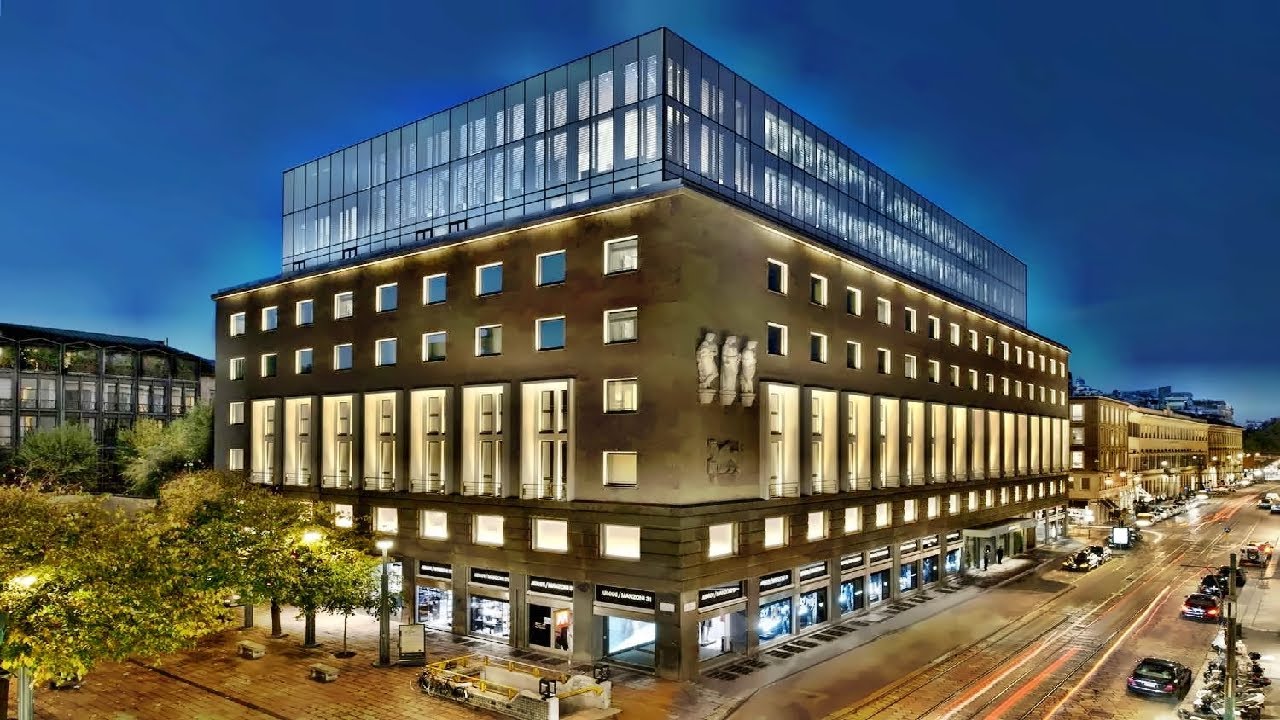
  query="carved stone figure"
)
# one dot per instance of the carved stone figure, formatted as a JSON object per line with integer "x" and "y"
{"x": 722, "y": 457}
{"x": 748, "y": 361}
{"x": 729, "y": 359}
{"x": 708, "y": 370}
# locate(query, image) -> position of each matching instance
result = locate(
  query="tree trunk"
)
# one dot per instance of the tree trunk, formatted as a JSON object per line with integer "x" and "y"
{"x": 4, "y": 693}
{"x": 248, "y": 617}
{"x": 276, "y": 631}
{"x": 309, "y": 629}
{"x": 344, "y": 632}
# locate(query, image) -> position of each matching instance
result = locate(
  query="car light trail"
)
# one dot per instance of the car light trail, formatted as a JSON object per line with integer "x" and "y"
{"x": 1028, "y": 686}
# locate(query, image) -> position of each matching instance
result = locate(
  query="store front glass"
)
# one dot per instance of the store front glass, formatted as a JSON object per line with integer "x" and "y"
{"x": 490, "y": 616}
{"x": 813, "y": 608}
{"x": 551, "y": 627}
{"x": 851, "y": 596}
{"x": 629, "y": 641}
{"x": 877, "y": 587}
{"x": 435, "y": 607}
{"x": 929, "y": 569}
{"x": 908, "y": 577}
{"x": 775, "y": 619}
{"x": 716, "y": 635}
{"x": 953, "y": 561}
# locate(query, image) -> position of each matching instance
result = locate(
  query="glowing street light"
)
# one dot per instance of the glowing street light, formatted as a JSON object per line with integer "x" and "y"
{"x": 311, "y": 537}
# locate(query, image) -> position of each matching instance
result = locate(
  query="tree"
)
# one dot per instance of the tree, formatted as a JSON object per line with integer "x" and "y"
{"x": 1265, "y": 439}
{"x": 64, "y": 457}
{"x": 333, "y": 575}
{"x": 153, "y": 452}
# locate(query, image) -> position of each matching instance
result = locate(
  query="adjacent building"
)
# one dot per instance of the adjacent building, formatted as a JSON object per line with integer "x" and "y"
{"x": 635, "y": 363}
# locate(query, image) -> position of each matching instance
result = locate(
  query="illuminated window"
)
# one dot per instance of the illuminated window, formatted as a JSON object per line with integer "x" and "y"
{"x": 620, "y": 541}
{"x": 237, "y": 324}
{"x": 817, "y": 528}
{"x": 433, "y": 525}
{"x": 853, "y": 519}
{"x": 550, "y": 535}
{"x": 776, "y": 277}
{"x": 488, "y": 530}
{"x": 722, "y": 540}
{"x": 775, "y": 531}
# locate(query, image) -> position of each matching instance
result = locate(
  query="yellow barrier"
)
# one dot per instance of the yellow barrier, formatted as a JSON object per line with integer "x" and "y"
{"x": 449, "y": 670}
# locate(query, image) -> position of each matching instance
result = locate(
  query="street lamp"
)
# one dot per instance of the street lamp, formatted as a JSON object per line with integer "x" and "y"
{"x": 26, "y": 693}
{"x": 310, "y": 538}
{"x": 384, "y": 609}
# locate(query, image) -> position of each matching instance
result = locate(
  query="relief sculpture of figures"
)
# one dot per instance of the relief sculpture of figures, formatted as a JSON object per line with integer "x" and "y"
{"x": 708, "y": 370}
{"x": 729, "y": 370}
{"x": 749, "y": 373}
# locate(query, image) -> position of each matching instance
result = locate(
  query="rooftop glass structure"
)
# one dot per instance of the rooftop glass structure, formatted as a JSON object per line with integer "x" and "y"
{"x": 650, "y": 109}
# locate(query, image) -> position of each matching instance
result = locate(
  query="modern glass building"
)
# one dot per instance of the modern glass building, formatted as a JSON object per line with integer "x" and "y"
{"x": 650, "y": 109}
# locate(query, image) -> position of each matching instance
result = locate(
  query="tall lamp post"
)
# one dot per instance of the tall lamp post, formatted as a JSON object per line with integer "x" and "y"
{"x": 384, "y": 610}
{"x": 309, "y": 539}
{"x": 25, "y": 692}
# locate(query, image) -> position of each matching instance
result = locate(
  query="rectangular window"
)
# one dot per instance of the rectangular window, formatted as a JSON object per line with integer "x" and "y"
{"x": 235, "y": 459}
{"x": 342, "y": 356}
{"x": 909, "y": 319}
{"x": 1077, "y": 412}
{"x": 621, "y": 395}
{"x": 776, "y": 339}
{"x": 1004, "y": 386}
{"x": 488, "y": 340}
{"x": 884, "y": 361}
{"x": 384, "y": 352}
{"x": 548, "y": 333}
{"x": 386, "y": 520}
{"x": 722, "y": 540}
{"x": 955, "y": 333}
{"x": 818, "y": 290}
{"x": 304, "y": 312}
{"x": 1017, "y": 388}
{"x": 435, "y": 289}
{"x": 620, "y": 325}
{"x": 884, "y": 311}
{"x": 991, "y": 345}
{"x": 268, "y": 365}
{"x": 1017, "y": 355}
{"x": 433, "y": 346}
{"x": 973, "y": 379}
{"x": 935, "y": 371}
{"x": 933, "y": 507}
{"x": 775, "y": 531}
{"x": 1031, "y": 359}
{"x": 1053, "y": 366}
{"x": 620, "y": 469}
{"x": 853, "y": 355}
{"x": 853, "y": 301}
{"x": 973, "y": 340}
{"x": 1004, "y": 350}
{"x": 935, "y": 328}
{"x": 991, "y": 383}
{"x": 817, "y": 347}
{"x": 621, "y": 255}
{"x": 235, "y": 369}
{"x": 883, "y": 515}
{"x": 343, "y": 305}
{"x": 909, "y": 366}
{"x": 620, "y": 541}
{"x": 489, "y": 279}
{"x": 550, "y": 535}
{"x": 853, "y": 520}
{"x": 387, "y": 297}
{"x": 910, "y": 511}
{"x": 776, "y": 277}
{"x": 235, "y": 413}
{"x": 237, "y": 324}
{"x": 1077, "y": 459}
{"x": 270, "y": 318}
{"x": 550, "y": 269}
{"x": 433, "y": 525}
{"x": 817, "y": 528}
{"x": 302, "y": 361}
{"x": 955, "y": 376}
{"x": 488, "y": 530}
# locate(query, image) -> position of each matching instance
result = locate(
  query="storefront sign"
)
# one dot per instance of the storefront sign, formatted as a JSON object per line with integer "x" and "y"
{"x": 953, "y": 537}
{"x": 435, "y": 570}
{"x": 717, "y": 595}
{"x": 852, "y": 562}
{"x": 929, "y": 543}
{"x": 496, "y": 578}
{"x": 878, "y": 555}
{"x": 642, "y": 599}
{"x": 548, "y": 586}
{"x": 775, "y": 581}
{"x": 813, "y": 571}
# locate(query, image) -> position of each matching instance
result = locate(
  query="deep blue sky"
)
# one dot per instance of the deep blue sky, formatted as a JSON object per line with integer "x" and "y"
{"x": 1129, "y": 152}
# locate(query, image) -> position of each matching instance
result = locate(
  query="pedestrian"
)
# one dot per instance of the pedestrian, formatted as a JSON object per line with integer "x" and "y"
{"x": 986, "y": 557}
{"x": 999, "y": 555}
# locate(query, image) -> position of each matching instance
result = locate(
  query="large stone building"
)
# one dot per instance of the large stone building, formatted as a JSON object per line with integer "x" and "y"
{"x": 669, "y": 377}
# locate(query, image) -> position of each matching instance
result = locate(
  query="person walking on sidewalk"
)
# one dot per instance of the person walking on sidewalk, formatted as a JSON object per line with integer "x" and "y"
{"x": 999, "y": 555}
{"x": 986, "y": 557}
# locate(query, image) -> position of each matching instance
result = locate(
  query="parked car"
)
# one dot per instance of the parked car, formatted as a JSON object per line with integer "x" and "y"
{"x": 1213, "y": 585}
{"x": 1264, "y": 504}
{"x": 1102, "y": 552}
{"x": 1198, "y": 606}
{"x": 1164, "y": 679}
{"x": 1255, "y": 554}
{"x": 1082, "y": 561}
{"x": 1224, "y": 572}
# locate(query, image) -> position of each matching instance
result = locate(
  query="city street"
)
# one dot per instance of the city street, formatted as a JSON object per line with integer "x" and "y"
{"x": 1052, "y": 643}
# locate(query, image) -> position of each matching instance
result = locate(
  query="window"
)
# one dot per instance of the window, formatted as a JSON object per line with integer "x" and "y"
{"x": 884, "y": 364}
{"x": 488, "y": 530}
{"x": 343, "y": 515}
{"x": 549, "y": 333}
{"x": 237, "y": 324}
{"x": 1017, "y": 388}
{"x": 935, "y": 328}
{"x": 489, "y": 279}
{"x": 433, "y": 346}
{"x": 1004, "y": 386}
{"x": 303, "y": 312}
{"x": 991, "y": 345}
{"x": 342, "y": 356}
{"x": 1077, "y": 459}
{"x": 235, "y": 459}
{"x": 910, "y": 511}
{"x": 1017, "y": 355}
{"x": 488, "y": 340}
{"x": 343, "y": 305}
{"x": 550, "y": 535}
{"x": 235, "y": 413}
{"x": 1053, "y": 396}
{"x": 775, "y": 531}
{"x": 1053, "y": 366}
{"x": 1004, "y": 350}
{"x": 620, "y": 468}
{"x": 270, "y": 318}
{"x": 883, "y": 516}
{"x": 551, "y": 268}
{"x": 386, "y": 520}
{"x": 386, "y": 297}
{"x": 620, "y": 325}
{"x": 433, "y": 525}
{"x": 1077, "y": 412}
{"x": 621, "y": 255}
{"x": 973, "y": 379}
{"x": 776, "y": 339}
{"x": 973, "y": 340}
{"x": 853, "y": 301}
{"x": 818, "y": 290}
{"x": 621, "y": 395}
{"x": 302, "y": 361}
{"x": 955, "y": 333}
{"x": 817, "y": 347}
{"x": 776, "y": 278}
{"x": 384, "y": 352}
{"x": 1031, "y": 359}
{"x": 268, "y": 365}
{"x": 953, "y": 504}
{"x": 853, "y": 519}
{"x": 955, "y": 376}
{"x": 909, "y": 319}
{"x": 909, "y": 366}
{"x": 435, "y": 289}
{"x": 935, "y": 371}
{"x": 884, "y": 311}
{"x": 817, "y": 528}
{"x": 722, "y": 540}
{"x": 235, "y": 369}
{"x": 933, "y": 507}
{"x": 991, "y": 383}
{"x": 853, "y": 355}
{"x": 620, "y": 541}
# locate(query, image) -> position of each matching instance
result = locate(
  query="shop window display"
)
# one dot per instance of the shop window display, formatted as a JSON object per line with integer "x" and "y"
{"x": 953, "y": 561}
{"x": 908, "y": 577}
{"x": 812, "y": 609}
{"x": 435, "y": 607}
{"x": 851, "y": 596}
{"x": 775, "y": 619}
{"x": 630, "y": 641}
{"x": 490, "y": 616}
{"x": 877, "y": 587}
{"x": 551, "y": 627}
{"x": 929, "y": 570}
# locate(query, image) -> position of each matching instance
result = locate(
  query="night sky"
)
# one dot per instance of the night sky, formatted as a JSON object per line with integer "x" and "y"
{"x": 1128, "y": 152}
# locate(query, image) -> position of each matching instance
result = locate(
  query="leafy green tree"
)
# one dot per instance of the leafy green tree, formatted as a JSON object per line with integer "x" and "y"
{"x": 153, "y": 452}
{"x": 64, "y": 457}
{"x": 1265, "y": 439}
{"x": 335, "y": 573}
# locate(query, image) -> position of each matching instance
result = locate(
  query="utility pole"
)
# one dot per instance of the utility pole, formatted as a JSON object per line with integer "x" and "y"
{"x": 1229, "y": 687}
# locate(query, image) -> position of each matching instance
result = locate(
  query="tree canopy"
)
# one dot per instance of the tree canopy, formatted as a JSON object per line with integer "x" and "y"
{"x": 64, "y": 457}
{"x": 1265, "y": 439}
{"x": 153, "y": 452}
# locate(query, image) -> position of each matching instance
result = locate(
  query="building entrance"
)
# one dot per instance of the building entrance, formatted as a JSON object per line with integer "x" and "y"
{"x": 629, "y": 641}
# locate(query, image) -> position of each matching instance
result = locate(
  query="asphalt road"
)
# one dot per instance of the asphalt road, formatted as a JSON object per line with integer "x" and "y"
{"x": 1053, "y": 644}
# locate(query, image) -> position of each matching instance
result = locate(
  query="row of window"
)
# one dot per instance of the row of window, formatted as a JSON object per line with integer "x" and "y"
{"x": 620, "y": 255}
{"x": 776, "y": 280}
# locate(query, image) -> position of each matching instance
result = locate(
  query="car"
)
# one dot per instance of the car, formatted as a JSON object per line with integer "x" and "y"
{"x": 1155, "y": 677}
{"x": 1199, "y": 606}
{"x": 1264, "y": 504}
{"x": 1102, "y": 552}
{"x": 1275, "y": 507}
{"x": 1224, "y": 572}
{"x": 1255, "y": 554}
{"x": 1212, "y": 585}
{"x": 1082, "y": 561}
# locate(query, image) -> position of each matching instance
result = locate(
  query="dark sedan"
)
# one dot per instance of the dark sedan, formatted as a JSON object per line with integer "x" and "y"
{"x": 1154, "y": 677}
{"x": 1082, "y": 561}
{"x": 1201, "y": 607}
